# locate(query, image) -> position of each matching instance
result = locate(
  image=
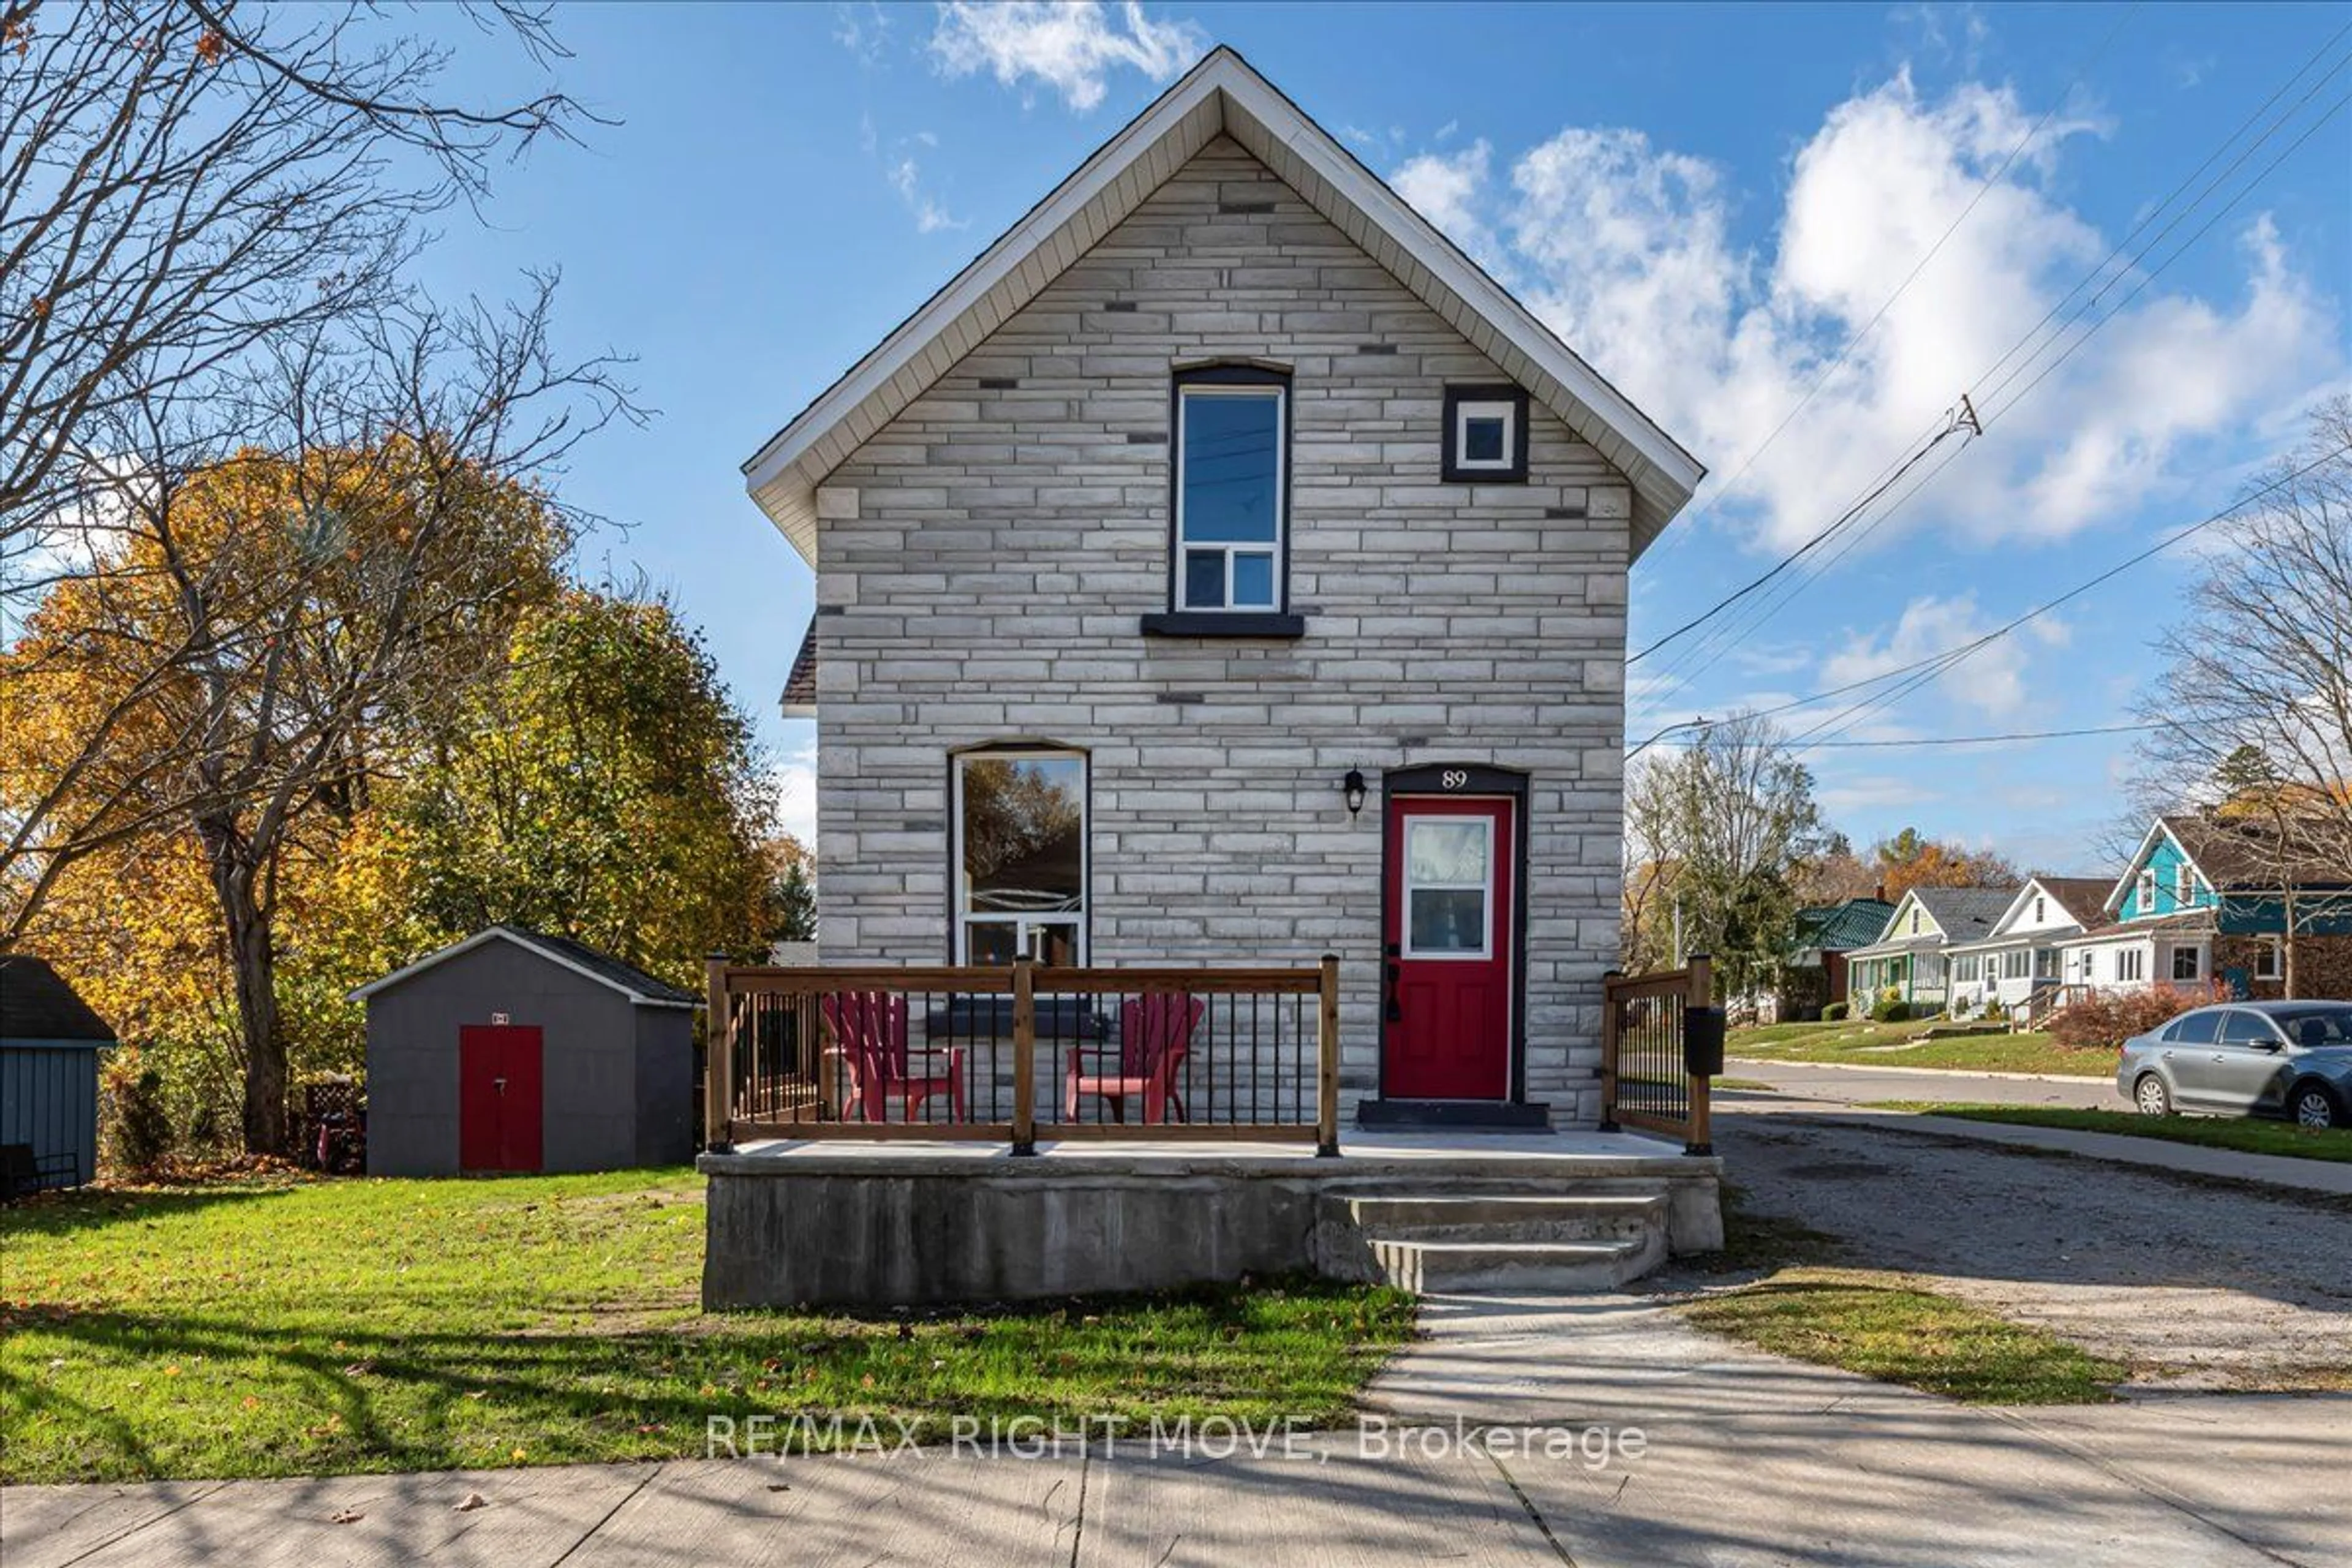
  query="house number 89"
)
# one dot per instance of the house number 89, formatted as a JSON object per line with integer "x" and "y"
{"x": 1454, "y": 778}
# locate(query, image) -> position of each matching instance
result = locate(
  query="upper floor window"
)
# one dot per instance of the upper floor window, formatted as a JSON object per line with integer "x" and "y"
{"x": 1020, "y": 856}
{"x": 2041, "y": 908}
{"x": 1485, "y": 436}
{"x": 2148, "y": 892}
{"x": 1232, "y": 485}
{"x": 1915, "y": 922}
{"x": 2184, "y": 884}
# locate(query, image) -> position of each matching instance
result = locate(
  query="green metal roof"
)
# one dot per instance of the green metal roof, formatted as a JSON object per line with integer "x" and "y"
{"x": 1840, "y": 926}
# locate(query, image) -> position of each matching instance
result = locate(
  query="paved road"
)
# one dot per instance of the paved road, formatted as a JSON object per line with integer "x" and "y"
{"x": 2195, "y": 1282}
{"x": 1857, "y": 1085}
{"x": 1741, "y": 1458}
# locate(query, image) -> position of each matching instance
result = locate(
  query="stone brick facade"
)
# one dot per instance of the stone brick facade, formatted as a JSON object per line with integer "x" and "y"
{"x": 987, "y": 558}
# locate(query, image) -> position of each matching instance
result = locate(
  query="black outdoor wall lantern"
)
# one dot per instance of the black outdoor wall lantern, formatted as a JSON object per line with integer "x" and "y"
{"x": 1352, "y": 790}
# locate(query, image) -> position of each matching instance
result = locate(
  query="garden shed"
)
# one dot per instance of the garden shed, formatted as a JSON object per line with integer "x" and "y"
{"x": 49, "y": 1042}
{"x": 515, "y": 1050}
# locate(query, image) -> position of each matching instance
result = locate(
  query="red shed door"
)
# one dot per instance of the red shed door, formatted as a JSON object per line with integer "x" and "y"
{"x": 1449, "y": 939}
{"x": 498, "y": 1097}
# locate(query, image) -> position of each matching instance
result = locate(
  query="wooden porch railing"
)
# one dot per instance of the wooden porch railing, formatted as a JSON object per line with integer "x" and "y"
{"x": 1019, "y": 1053}
{"x": 1661, "y": 1045}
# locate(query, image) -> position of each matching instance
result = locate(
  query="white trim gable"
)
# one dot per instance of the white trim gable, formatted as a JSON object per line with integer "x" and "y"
{"x": 2121, "y": 902}
{"x": 489, "y": 933}
{"x": 2013, "y": 920}
{"x": 1221, "y": 96}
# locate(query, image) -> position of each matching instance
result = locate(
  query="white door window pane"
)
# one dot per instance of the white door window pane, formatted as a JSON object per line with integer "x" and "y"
{"x": 1449, "y": 886}
{"x": 1451, "y": 853}
{"x": 1447, "y": 920}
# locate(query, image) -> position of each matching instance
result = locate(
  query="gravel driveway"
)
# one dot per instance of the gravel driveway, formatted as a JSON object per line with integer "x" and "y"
{"x": 2196, "y": 1284}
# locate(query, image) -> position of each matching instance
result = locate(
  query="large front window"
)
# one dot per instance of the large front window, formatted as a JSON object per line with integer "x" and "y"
{"x": 1231, "y": 470}
{"x": 1021, "y": 857}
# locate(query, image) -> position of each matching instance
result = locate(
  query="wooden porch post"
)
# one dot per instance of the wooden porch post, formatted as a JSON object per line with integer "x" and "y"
{"x": 1700, "y": 1139}
{"x": 1024, "y": 1056}
{"x": 1609, "y": 1050}
{"x": 717, "y": 1060}
{"x": 1327, "y": 1062}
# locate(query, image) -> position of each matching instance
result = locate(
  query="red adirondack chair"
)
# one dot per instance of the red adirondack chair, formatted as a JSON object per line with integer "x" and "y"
{"x": 869, "y": 1031}
{"x": 1155, "y": 1036}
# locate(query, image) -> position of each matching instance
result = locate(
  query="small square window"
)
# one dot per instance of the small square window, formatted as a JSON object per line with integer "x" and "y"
{"x": 1485, "y": 436}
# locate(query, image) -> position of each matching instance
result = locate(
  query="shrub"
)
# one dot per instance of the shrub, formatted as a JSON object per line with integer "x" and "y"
{"x": 1995, "y": 1011}
{"x": 1834, "y": 1012}
{"x": 2104, "y": 1020}
{"x": 1890, "y": 1008}
{"x": 141, "y": 1132}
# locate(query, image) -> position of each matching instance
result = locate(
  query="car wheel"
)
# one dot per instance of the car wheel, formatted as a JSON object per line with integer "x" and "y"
{"x": 2151, "y": 1095}
{"x": 2312, "y": 1106}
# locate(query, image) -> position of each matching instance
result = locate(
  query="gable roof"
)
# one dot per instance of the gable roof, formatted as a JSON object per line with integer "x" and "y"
{"x": 627, "y": 978}
{"x": 36, "y": 1004}
{"x": 2080, "y": 899}
{"x": 800, "y": 685}
{"x": 1962, "y": 915}
{"x": 1838, "y": 927}
{"x": 1220, "y": 95}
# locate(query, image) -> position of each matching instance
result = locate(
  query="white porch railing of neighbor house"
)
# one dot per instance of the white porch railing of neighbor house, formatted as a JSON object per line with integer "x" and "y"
{"x": 1661, "y": 1047}
{"x": 1023, "y": 1053}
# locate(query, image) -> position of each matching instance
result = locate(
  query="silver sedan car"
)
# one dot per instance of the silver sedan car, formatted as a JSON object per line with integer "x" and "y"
{"x": 2290, "y": 1060}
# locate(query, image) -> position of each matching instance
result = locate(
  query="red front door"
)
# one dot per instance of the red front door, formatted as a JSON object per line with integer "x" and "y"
{"x": 498, "y": 1097}
{"x": 1447, "y": 918}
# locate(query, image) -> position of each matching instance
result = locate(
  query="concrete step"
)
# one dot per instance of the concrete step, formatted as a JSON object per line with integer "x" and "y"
{"x": 1455, "y": 1267}
{"x": 1505, "y": 1216}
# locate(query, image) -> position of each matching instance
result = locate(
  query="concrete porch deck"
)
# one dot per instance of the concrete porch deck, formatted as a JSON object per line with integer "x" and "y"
{"x": 897, "y": 1222}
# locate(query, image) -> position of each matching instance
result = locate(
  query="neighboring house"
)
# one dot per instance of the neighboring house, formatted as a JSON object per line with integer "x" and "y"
{"x": 1223, "y": 569}
{"x": 1818, "y": 965}
{"x": 2022, "y": 953}
{"x": 2206, "y": 901}
{"x": 1910, "y": 955}
{"x": 50, "y": 1046}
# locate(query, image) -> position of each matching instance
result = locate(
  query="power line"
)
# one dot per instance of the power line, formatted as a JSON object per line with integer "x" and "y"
{"x": 1936, "y": 664}
{"x": 1724, "y": 638}
{"x": 1984, "y": 188}
{"x": 1980, "y": 739}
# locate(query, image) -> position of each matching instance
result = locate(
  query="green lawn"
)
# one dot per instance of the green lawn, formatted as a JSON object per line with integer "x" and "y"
{"x": 1866, "y": 1044}
{"x": 1883, "y": 1327}
{"x": 298, "y": 1327}
{"x": 2242, "y": 1134}
{"x": 1802, "y": 1302}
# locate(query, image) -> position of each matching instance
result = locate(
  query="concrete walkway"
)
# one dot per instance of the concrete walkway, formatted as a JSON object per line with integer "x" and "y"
{"x": 1681, "y": 1449}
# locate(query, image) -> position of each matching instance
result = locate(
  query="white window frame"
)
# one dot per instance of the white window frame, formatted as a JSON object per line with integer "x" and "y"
{"x": 2131, "y": 964}
{"x": 2184, "y": 883}
{"x": 1485, "y": 888}
{"x": 1493, "y": 408}
{"x": 1181, "y": 564}
{"x": 2147, "y": 890}
{"x": 1027, "y": 927}
{"x": 2041, "y": 910}
{"x": 2269, "y": 958}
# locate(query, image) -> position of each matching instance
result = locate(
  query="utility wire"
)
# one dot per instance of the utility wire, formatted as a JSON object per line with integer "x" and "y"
{"x": 1979, "y": 740}
{"x": 1725, "y": 637}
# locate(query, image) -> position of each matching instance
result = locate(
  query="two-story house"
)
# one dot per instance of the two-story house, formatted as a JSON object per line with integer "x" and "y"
{"x": 2207, "y": 899}
{"x": 1222, "y": 568}
{"x": 2021, "y": 955}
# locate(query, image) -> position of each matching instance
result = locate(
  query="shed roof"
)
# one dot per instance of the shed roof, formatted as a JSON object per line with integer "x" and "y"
{"x": 37, "y": 1005}
{"x": 627, "y": 978}
{"x": 1221, "y": 96}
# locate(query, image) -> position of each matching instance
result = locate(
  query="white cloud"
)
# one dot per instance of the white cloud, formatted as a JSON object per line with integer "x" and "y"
{"x": 1993, "y": 680}
{"x": 1444, "y": 188}
{"x": 1070, "y": 46}
{"x": 906, "y": 178}
{"x": 1877, "y": 792}
{"x": 1628, "y": 250}
{"x": 797, "y": 793}
{"x": 864, "y": 30}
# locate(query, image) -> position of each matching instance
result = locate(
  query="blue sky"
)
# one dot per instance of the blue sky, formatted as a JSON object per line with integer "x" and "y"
{"x": 1708, "y": 203}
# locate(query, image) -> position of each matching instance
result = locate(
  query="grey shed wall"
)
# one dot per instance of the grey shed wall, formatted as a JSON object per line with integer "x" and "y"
{"x": 613, "y": 1073}
{"x": 48, "y": 1098}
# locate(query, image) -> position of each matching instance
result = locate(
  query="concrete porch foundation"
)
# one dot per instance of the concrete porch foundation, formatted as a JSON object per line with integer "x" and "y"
{"x": 841, "y": 1224}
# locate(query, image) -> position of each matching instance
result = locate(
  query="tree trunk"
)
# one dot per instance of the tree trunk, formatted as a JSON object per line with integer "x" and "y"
{"x": 253, "y": 963}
